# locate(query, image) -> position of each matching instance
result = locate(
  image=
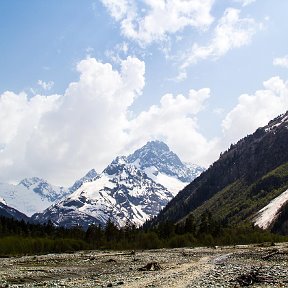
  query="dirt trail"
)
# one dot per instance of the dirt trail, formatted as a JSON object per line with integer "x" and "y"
{"x": 179, "y": 275}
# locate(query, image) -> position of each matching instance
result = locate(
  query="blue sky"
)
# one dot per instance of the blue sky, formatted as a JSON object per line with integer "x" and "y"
{"x": 84, "y": 81}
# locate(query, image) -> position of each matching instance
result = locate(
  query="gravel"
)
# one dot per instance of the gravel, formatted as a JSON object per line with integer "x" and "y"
{"x": 185, "y": 267}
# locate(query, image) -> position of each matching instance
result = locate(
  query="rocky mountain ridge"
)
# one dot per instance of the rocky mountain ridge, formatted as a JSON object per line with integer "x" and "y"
{"x": 9, "y": 212}
{"x": 245, "y": 179}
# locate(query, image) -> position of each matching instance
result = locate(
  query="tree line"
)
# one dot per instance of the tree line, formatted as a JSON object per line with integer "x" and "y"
{"x": 20, "y": 237}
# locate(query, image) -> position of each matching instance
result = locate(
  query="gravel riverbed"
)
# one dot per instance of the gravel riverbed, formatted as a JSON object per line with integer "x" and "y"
{"x": 185, "y": 267}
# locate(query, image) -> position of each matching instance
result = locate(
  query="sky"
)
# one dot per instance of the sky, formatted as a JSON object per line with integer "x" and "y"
{"x": 82, "y": 82}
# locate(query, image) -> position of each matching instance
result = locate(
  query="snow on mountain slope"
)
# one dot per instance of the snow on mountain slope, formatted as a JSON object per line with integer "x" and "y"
{"x": 277, "y": 123}
{"x": 31, "y": 195}
{"x": 130, "y": 190}
{"x": 23, "y": 199}
{"x": 122, "y": 193}
{"x": 91, "y": 175}
{"x": 164, "y": 166}
{"x": 44, "y": 189}
{"x": 266, "y": 216}
{"x": 173, "y": 184}
{"x": 2, "y": 201}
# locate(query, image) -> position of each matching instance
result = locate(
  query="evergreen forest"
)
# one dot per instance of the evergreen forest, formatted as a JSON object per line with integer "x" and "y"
{"x": 24, "y": 238}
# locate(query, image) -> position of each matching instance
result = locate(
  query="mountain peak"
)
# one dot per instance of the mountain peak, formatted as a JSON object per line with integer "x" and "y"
{"x": 156, "y": 145}
{"x": 117, "y": 164}
{"x": 27, "y": 182}
{"x": 91, "y": 174}
{"x": 156, "y": 156}
{"x": 154, "y": 153}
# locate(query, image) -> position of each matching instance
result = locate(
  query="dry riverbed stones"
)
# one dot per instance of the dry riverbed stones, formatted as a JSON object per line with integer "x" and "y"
{"x": 186, "y": 267}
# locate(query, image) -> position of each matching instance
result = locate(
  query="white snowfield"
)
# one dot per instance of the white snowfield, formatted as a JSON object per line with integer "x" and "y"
{"x": 23, "y": 199}
{"x": 173, "y": 184}
{"x": 265, "y": 217}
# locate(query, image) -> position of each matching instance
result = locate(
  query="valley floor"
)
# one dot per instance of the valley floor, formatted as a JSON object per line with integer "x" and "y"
{"x": 185, "y": 267}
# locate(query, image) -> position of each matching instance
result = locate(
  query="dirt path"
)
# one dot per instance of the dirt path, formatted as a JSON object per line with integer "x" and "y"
{"x": 179, "y": 275}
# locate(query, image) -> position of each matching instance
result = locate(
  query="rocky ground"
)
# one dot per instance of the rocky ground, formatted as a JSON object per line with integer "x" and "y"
{"x": 253, "y": 265}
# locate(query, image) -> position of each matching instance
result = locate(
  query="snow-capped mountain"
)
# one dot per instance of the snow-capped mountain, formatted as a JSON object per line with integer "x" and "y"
{"x": 164, "y": 166}
{"x": 122, "y": 193}
{"x": 130, "y": 190}
{"x": 31, "y": 195}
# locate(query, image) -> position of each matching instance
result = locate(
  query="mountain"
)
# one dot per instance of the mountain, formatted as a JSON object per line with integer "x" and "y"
{"x": 31, "y": 195}
{"x": 131, "y": 189}
{"x": 10, "y": 212}
{"x": 44, "y": 189}
{"x": 122, "y": 193}
{"x": 164, "y": 166}
{"x": 90, "y": 176}
{"x": 241, "y": 184}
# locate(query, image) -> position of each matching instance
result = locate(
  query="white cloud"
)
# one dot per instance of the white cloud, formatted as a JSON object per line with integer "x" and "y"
{"x": 230, "y": 32}
{"x": 119, "y": 52}
{"x": 245, "y": 2}
{"x": 253, "y": 111}
{"x": 281, "y": 61}
{"x": 174, "y": 120}
{"x": 59, "y": 137}
{"x": 156, "y": 20}
{"x": 19, "y": 117}
{"x": 117, "y": 8}
{"x": 46, "y": 85}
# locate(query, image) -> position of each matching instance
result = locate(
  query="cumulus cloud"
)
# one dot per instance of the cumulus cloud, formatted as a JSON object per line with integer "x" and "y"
{"x": 19, "y": 117}
{"x": 58, "y": 137}
{"x": 230, "y": 32}
{"x": 175, "y": 121}
{"x": 156, "y": 20}
{"x": 253, "y": 111}
{"x": 281, "y": 61}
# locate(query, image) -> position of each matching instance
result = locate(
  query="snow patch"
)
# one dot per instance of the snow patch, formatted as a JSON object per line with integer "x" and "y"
{"x": 269, "y": 213}
{"x": 2, "y": 201}
{"x": 172, "y": 184}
